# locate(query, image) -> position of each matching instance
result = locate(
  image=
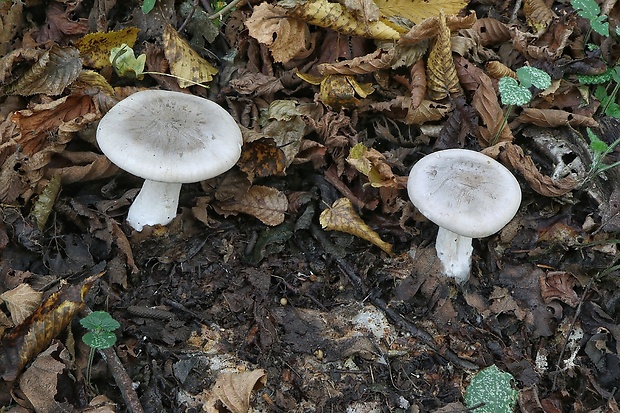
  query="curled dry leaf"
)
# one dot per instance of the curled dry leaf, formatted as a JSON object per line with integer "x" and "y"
{"x": 341, "y": 216}
{"x": 335, "y": 16}
{"x": 10, "y": 21}
{"x": 430, "y": 28}
{"x": 50, "y": 75}
{"x": 553, "y": 118}
{"x": 469, "y": 74}
{"x": 21, "y": 301}
{"x": 491, "y": 31}
{"x": 513, "y": 157}
{"x": 487, "y": 105}
{"x": 285, "y": 37}
{"x": 261, "y": 158}
{"x": 83, "y": 166}
{"x": 36, "y": 332}
{"x": 95, "y": 47}
{"x": 559, "y": 285}
{"x": 373, "y": 164}
{"x": 440, "y": 70}
{"x": 497, "y": 70}
{"x": 233, "y": 390}
{"x": 427, "y": 111}
{"x": 379, "y": 59}
{"x": 417, "y": 74}
{"x": 537, "y": 15}
{"x": 185, "y": 63}
{"x": 267, "y": 204}
{"x": 366, "y": 9}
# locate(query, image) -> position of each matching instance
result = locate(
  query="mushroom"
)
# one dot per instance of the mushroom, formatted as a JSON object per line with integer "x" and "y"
{"x": 168, "y": 138}
{"x": 469, "y": 195}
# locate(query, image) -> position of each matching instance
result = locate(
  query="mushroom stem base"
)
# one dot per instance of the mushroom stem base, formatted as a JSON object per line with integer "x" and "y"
{"x": 454, "y": 251}
{"x": 156, "y": 203}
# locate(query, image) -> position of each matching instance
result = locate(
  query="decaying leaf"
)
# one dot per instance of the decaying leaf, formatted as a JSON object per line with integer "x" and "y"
{"x": 285, "y": 37}
{"x": 426, "y": 111}
{"x": 372, "y": 163}
{"x": 36, "y": 332}
{"x": 440, "y": 70}
{"x": 379, "y": 59}
{"x": 486, "y": 104}
{"x": 233, "y": 390}
{"x": 491, "y": 31}
{"x": 262, "y": 158}
{"x": 513, "y": 157}
{"x": 341, "y": 216}
{"x": 335, "y": 16}
{"x": 50, "y": 75}
{"x": 538, "y": 15}
{"x": 430, "y": 27}
{"x": 10, "y": 20}
{"x": 21, "y": 301}
{"x": 418, "y": 10}
{"x": 184, "y": 62}
{"x": 42, "y": 207}
{"x": 339, "y": 90}
{"x": 552, "y": 118}
{"x": 95, "y": 47}
{"x": 267, "y": 204}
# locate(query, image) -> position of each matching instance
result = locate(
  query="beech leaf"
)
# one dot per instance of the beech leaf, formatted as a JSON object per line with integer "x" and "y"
{"x": 418, "y": 10}
{"x": 233, "y": 390}
{"x": 267, "y": 204}
{"x": 21, "y": 301}
{"x": 185, "y": 63}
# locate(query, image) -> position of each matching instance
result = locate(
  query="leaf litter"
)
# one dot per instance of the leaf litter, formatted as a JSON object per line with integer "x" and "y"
{"x": 303, "y": 279}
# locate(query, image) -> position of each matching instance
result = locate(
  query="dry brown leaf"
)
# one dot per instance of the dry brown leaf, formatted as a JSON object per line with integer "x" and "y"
{"x": 487, "y": 105}
{"x": 341, "y": 216}
{"x": 285, "y": 37}
{"x": 440, "y": 70}
{"x": 21, "y": 302}
{"x": 418, "y": 10}
{"x": 95, "y": 48}
{"x": 90, "y": 83}
{"x": 559, "y": 285}
{"x": 469, "y": 74}
{"x": 335, "y": 16}
{"x": 373, "y": 164}
{"x": 497, "y": 70}
{"x": 513, "y": 157}
{"x": 430, "y": 28}
{"x": 538, "y": 15}
{"x": 379, "y": 59}
{"x": 366, "y": 9}
{"x": 10, "y": 21}
{"x": 552, "y": 118}
{"x": 417, "y": 73}
{"x": 491, "y": 31}
{"x": 185, "y": 63}
{"x": 267, "y": 204}
{"x": 84, "y": 166}
{"x": 50, "y": 75}
{"x": 233, "y": 390}
{"x": 427, "y": 111}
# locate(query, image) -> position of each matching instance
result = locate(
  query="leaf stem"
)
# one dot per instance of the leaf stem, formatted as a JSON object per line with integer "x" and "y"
{"x": 503, "y": 125}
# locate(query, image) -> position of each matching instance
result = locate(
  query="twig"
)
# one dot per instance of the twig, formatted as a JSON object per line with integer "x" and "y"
{"x": 189, "y": 16}
{"x": 220, "y": 13}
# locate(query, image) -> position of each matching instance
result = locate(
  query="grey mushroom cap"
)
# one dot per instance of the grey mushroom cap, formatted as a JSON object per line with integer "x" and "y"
{"x": 464, "y": 191}
{"x": 170, "y": 137}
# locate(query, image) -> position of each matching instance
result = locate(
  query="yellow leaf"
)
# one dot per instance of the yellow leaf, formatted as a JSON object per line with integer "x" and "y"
{"x": 373, "y": 164}
{"x": 95, "y": 47}
{"x": 441, "y": 75}
{"x": 336, "y": 17}
{"x": 418, "y": 10}
{"x": 184, "y": 62}
{"x": 342, "y": 217}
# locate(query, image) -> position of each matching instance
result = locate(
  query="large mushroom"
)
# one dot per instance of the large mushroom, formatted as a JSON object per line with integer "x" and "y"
{"x": 468, "y": 195}
{"x": 167, "y": 138}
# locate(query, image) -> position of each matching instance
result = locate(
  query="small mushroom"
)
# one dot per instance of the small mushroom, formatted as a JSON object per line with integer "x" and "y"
{"x": 168, "y": 138}
{"x": 469, "y": 195}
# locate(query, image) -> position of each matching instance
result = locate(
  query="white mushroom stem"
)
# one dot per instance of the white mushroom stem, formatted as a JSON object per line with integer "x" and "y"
{"x": 156, "y": 203}
{"x": 454, "y": 252}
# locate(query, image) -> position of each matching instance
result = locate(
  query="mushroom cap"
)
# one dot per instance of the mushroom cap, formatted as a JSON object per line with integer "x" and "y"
{"x": 464, "y": 191}
{"x": 170, "y": 137}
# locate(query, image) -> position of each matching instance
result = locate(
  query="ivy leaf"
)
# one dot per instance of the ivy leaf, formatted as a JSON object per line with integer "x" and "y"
{"x": 513, "y": 93}
{"x": 529, "y": 76}
{"x": 100, "y": 340}
{"x": 99, "y": 321}
{"x": 492, "y": 388}
{"x": 147, "y": 6}
{"x": 588, "y": 9}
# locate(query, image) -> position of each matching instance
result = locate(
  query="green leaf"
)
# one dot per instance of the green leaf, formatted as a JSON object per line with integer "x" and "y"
{"x": 597, "y": 145}
{"x": 99, "y": 321}
{"x": 613, "y": 110}
{"x": 600, "y": 26}
{"x": 99, "y": 341}
{"x": 512, "y": 93}
{"x": 125, "y": 63}
{"x": 588, "y": 9}
{"x": 529, "y": 76}
{"x": 147, "y": 6}
{"x": 492, "y": 387}
{"x": 596, "y": 79}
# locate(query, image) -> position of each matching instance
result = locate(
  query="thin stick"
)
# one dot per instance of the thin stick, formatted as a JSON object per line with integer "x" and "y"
{"x": 220, "y": 13}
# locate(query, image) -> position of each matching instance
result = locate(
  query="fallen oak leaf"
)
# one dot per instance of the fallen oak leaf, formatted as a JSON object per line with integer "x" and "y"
{"x": 341, "y": 216}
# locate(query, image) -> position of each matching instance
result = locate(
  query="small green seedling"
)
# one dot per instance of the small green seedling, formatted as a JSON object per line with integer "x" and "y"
{"x": 100, "y": 326}
{"x": 517, "y": 93}
{"x": 588, "y": 9}
{"x": 600, "y": 150}
{"x": 491, "y": 391}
